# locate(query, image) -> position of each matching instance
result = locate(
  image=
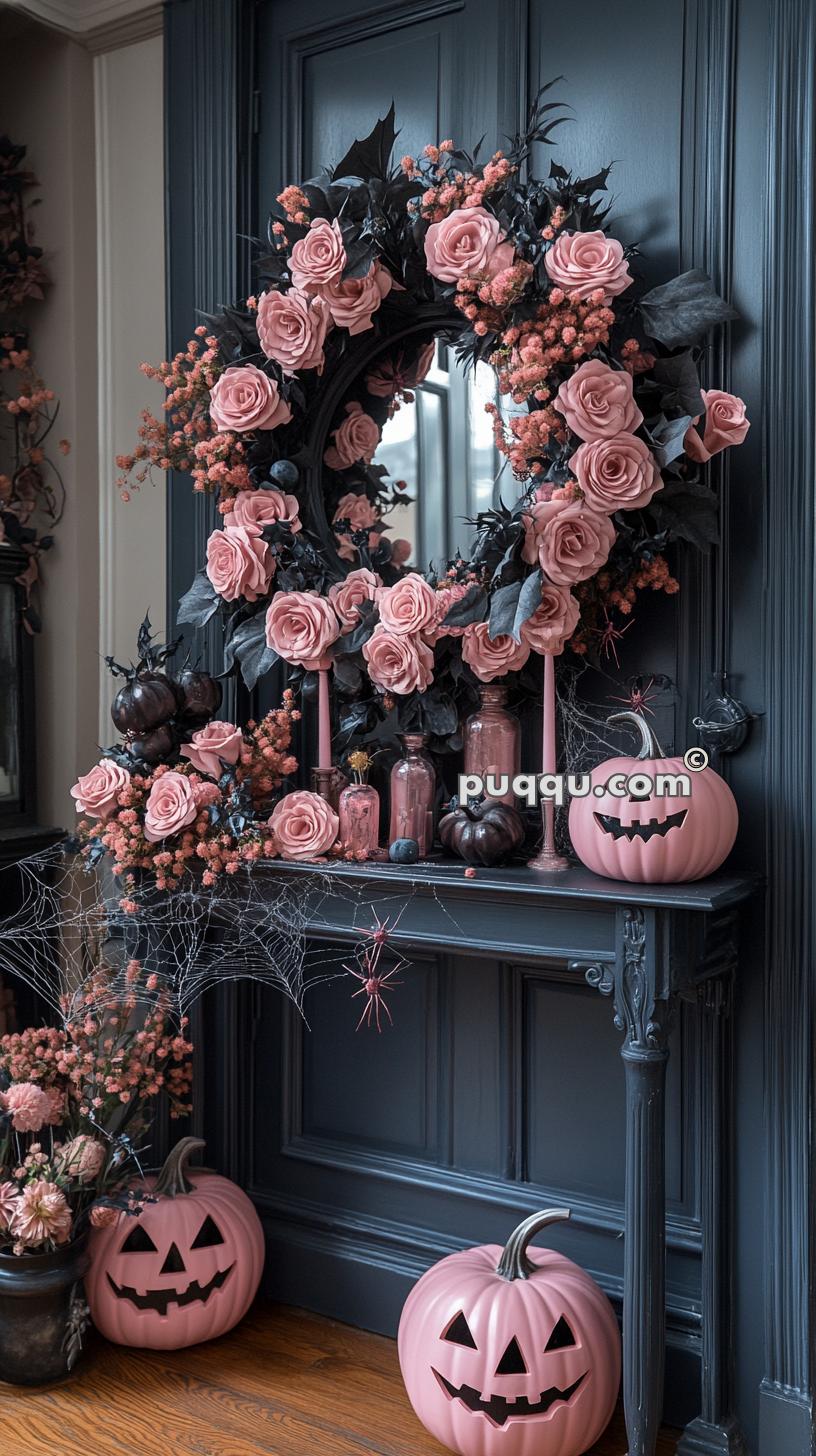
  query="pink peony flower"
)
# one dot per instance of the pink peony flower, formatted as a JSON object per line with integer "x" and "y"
{"x": 254, "y": 509}
{"x": 597, "y": 402}
{"x": 397, "y": 663}
{"x": 171, "y": 806}
{"x": 239, "y": 564}
{"x": 355, "y": 439}
{"x": 83, "y": 1158}
{"x": 346, "y": 596}
{"x": 581, "y": 262}
{"x": 618, "y": 474}
{"x": 217, "y": 741}
{"x": 409, "y": 606}
{"x": 553, "y": 623}
{"x": 300, "y": 627}
{"x": 304, "y": 825}
{"x": 27, "y": 1105}
{"x": 569, "y": 541}
{"x": 492, "y": 657}
{"x": 357, "y": 510}
{"x": 244, "y": 398}
{"x": 292, "y": 329}
{"x": 42, "y": 1214}
{"x": 353, "y": 301}
{"x": 320, "y": 257}
{"x": 726, "y": 421}
{"x": 468, "y": 241}
{"x": 9, "y": 1203}
{"x": 97, "y": 793}
{"x": 103, "y": 1216}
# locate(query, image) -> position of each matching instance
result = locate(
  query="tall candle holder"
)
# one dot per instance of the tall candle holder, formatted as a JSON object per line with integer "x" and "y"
{"x": 548, "y": 858}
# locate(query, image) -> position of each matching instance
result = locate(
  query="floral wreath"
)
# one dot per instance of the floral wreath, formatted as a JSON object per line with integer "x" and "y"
{"x": 278, "y": 408}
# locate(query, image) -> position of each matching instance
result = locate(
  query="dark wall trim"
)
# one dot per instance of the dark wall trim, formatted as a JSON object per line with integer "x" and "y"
{"x": 789, "y": 386}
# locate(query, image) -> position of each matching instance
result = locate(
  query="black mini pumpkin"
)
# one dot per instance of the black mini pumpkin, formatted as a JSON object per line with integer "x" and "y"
{"x": 200, "y": 695}
{"x": 486, "y": 833}
{"x": 146, "y": 700}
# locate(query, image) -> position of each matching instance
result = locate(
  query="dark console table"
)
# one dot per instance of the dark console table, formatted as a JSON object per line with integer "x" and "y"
{"x": 646, "y": 948}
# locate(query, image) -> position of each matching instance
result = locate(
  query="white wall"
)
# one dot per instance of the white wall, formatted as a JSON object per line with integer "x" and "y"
{"x": 93, "y": 128}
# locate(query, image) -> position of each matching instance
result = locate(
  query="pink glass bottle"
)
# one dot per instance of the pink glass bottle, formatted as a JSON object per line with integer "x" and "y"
{"x": 493, "y": 739}
{"x": 413, "y": 787}
{"x": 359, "y": 819}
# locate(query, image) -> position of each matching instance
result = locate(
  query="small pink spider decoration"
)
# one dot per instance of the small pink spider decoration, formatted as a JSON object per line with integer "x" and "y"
{"x": 373, "y": 981}
{"x": 642, "y": 693}
{"x": 610, "y": 635}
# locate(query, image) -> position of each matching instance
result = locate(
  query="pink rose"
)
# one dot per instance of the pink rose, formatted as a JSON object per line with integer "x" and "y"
{"x": 357, "y": 510}
{"x": 353, "y": 301}
{"x": 597, "y": 402}
{"x": 467, "y": 242}
{"x": 255, "y": 509}
{"x": 304, "y": 825}
{"x": 211, "y": 744}
{"x": 171, "y": 806}
{"x": 300, "y": 627}
{"x": 292, "y": 329}
{"x": 569, "y": 541}
{"x": 492, "y": 657}
{"x": 619, "y": 474}
{"x": 693, "y": 445}
{"x": 320, "y": 257}
{"x": 239, "y": 564}
{"x": 581, "y": 262}
{"x": 244, "y": 398}
{"x": 398, "y": 664}
{"x": 355, "y": 439}
{"x": 83, "y": 1158}
{"x": 97, "y": 793}
{"x": 446, "y": 598}
{"x": 554, "y": 622}
{"x": 725, "y": 422}
{"x": 346, "y": 596}
{"x": 409, "y": 606}
{"x": 27, "y": 1105}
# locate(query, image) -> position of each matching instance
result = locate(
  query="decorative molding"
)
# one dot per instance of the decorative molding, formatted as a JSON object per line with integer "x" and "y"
{"x": 99, "y": 25}
{"x": 788, "y": 390}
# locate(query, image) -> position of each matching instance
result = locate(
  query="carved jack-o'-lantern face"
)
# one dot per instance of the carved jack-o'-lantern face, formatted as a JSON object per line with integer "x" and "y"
{"x": 514, "y": 1352}
{"x": 186, "y": 1269}
{"x": 648, "y": 837}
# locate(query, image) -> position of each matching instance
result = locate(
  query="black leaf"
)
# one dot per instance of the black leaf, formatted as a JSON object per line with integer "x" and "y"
{"x": 439, "y": 713}
{"x": 687, "y": 509}
{"x": 200, "y": 603}
{"x": 666, "y": 438}
{"x": 347, "y": 675}
{"x": 503, "y": 610}
{"x": 678, "y": 374}
{"x": 679, "y": 311}
{"x": 529, "y": 599}
{"x": 472, "y": 607}
{"x": 371, "y": 156}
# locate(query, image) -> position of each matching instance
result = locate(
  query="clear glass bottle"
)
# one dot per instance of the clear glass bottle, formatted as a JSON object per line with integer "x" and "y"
{"x": 359, "y": 819}
{"x": 492, "y": 739}
{"x": 413, "y": 788}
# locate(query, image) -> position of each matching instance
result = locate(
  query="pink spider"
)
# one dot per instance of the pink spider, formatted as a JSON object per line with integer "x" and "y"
{"x": 372, "y": 988}
{"x": 640, "y": 695}
{"x": 609, "y": 635}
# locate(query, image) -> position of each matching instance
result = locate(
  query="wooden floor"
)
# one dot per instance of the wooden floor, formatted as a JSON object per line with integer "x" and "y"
{"x": 285, "y": 1384}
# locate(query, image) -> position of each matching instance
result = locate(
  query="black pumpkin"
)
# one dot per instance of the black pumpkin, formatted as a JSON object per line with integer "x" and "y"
{"x": 146, "y": 700}
{"x": 200, "y": 695}
{"x": 154, "y": 746}
{"x": 486, "y": 833}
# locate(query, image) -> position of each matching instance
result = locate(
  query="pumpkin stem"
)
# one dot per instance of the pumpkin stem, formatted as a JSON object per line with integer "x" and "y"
{"x": 514, "y": 1263}
{"x": 649, "y": 746}
{"x": 173, "y": 1179}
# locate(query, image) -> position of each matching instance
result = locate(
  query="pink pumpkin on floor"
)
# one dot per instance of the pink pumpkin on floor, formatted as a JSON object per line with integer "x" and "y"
{"x": 512, "y": 1352}
{"x": 649, "y": 838}
{"x": 186, "y": 1269}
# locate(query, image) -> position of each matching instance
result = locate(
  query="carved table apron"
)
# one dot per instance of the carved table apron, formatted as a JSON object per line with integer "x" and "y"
{"x": 646, "y": 947}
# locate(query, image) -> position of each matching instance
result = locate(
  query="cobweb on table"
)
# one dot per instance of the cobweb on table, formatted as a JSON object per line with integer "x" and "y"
{"x": 257, "y": 925}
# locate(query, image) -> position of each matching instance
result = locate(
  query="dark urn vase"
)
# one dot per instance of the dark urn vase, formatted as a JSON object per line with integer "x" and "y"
{"x": 42, "y": 1314}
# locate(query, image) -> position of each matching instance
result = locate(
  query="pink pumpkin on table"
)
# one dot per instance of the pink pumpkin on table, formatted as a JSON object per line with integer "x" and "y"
{"x": 649, "y": 838}
{"x": 511, "y": 1352}
{"x": 186, "y": 1269}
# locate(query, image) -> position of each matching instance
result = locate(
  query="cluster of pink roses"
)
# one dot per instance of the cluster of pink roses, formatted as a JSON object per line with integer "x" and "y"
{"x": 240, "y": 563}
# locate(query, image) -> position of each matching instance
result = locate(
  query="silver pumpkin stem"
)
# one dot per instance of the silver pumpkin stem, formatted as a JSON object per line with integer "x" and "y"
{"x": 514, "y": 1263}
{"x": 649, "y": 746}
{"x": 172, "y": 1179}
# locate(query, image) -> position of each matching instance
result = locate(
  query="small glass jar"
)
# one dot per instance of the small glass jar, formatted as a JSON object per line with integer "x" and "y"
{"x": 492, "y": 740}
{"x": 359, "y": 819}
{"x": 413, "y": 790}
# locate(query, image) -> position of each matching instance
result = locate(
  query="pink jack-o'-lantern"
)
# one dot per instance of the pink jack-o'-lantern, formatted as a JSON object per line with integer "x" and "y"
{"x": 512, "y": 1352}
{"x": 186, "y": 1269}
{"x": 649, "y": 837}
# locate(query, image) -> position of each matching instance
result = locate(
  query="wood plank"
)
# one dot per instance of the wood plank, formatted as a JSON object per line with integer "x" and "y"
{"x": 286, "y": 1383}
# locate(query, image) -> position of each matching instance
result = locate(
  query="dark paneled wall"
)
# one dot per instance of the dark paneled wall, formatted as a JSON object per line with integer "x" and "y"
{"x": 500, "y": 1082}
